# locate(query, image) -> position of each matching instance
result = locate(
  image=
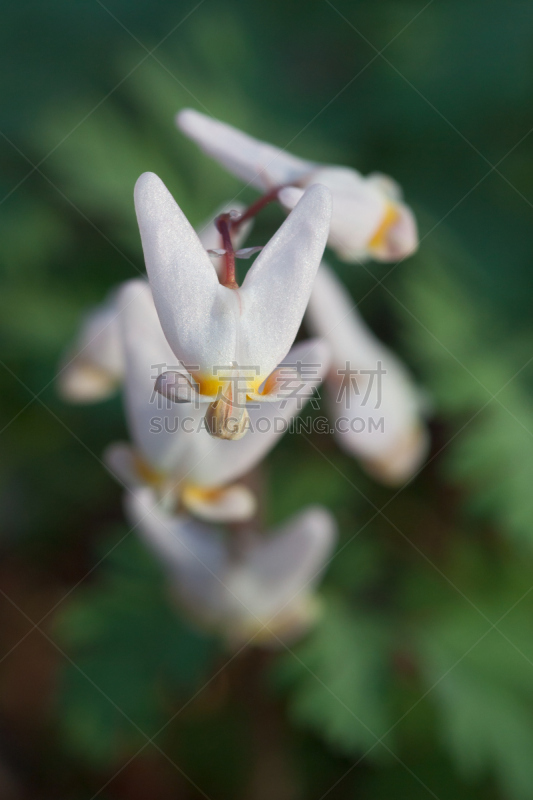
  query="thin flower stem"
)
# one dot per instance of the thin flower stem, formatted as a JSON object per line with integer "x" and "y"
{"x": 226, "y": 224}
{"x": 255, "y": 207}
{"x": 223, "y": 223}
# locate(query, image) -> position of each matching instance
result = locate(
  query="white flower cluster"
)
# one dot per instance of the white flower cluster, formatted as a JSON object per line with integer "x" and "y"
{"x": 211, "y": 376}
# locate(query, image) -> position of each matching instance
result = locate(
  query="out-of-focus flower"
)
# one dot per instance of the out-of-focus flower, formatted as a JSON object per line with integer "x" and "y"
{"x": 92, "y": 369}
{"x": 376, "y": 407}
{"x": 229, "y": 338}
{"x": 173, "y": 452}
{"x": 369, "y": 219}
{"x": 241, "y": 585}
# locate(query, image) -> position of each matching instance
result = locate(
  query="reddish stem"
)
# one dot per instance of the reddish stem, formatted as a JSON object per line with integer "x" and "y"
{"x": 223, "y": 223}
{"x": 255, "y": 208}
{"x": 226, "y": 223}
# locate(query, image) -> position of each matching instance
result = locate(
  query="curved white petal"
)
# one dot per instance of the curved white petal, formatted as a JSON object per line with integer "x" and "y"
{"x": 358, "y": 208}
{"x": 153, "y": 420}
{"x": 387, "y": 185}
{"x": 93, "y": 367}
{"x": 276, "y": 290}
{"x": 217, "y": 462}
{"x": 229, "y": 504}
{"x": 392, "y": 458}
{"x": 191, "y": 551}
{"x": 273, "y": 585}
{"x": 378, "y": 417}
{"x": 119, "y": 458}
{"x": 289, "y": 196}
{"x": 291, "y": 560}
{"x": 333, "y": 314}
{"x": 269, "y": 585}
{"x": 258, "y": 163}
{"x": 197, "y": 314}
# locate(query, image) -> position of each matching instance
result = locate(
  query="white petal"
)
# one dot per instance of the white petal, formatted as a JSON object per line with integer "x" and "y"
{"x": 402, "y": 461}
{"x": 93, "y": 368}
{"x": 392, "y": 440}
{"x": 119, "y": 458}
{"x": 231, "y": 504}
{"x": 387, "y": 185}
{"x": 246, "y": 252}
{"x": 358, "y": 207}
{"x": 176, "y": 387}
{"x": 197, "y": 313}
{"x": 276, "y": 289}
{"x": 153, "y": 420}
{"x": 217, "y": 462}
{"x": 289, "y": 196}
{"x": 255, "y": 162}
{"x": 332, "y": 313}
{"x": 292, "y": 559}
{"x": 273, "y": 586}
{"x": 191, "y": 551}
{"x": 378, "y": 419}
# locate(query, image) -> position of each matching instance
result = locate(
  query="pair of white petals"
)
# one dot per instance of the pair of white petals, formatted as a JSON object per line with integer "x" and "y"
{"x": 369, "y": 218}
{"x": 230, "y": 340}
{"x": 379, "y": 417}
{"x": 265, "y": 593}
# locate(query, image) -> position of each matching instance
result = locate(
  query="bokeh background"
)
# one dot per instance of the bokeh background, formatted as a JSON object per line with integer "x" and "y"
{"x": 418, "y": 681}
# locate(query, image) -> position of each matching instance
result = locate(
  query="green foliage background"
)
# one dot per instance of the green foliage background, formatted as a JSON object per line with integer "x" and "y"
{"x": 418, "y": 680}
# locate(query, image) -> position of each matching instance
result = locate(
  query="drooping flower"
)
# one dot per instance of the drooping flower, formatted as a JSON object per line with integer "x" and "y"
{"x": 369, "y": 218}
{"x": 373, "y": 400}
{"x": 172, "y": 450}
{"x": 229, "y": 338}
{"x": 253, "y": 589}
{"x": 92, "y": 368}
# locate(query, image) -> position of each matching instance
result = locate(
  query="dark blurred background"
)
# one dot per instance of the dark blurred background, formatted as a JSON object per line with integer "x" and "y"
{"x": 418, "y": 681}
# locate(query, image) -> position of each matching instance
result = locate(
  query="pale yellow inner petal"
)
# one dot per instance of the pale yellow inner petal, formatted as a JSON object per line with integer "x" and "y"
{"x": 390, "y": 218}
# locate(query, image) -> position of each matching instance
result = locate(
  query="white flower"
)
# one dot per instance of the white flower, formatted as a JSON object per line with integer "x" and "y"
{"x": 378, "y": 416}
{"x": 173, "y": 451}
{"x": 230, "y": 339}
{"x": 253, "y": 587}
{"x": 92, "y": 369}
{"x": 369, "y": 219}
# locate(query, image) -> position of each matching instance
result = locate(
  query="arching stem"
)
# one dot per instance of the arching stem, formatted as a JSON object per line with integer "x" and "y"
{"x": 255, "y": 208}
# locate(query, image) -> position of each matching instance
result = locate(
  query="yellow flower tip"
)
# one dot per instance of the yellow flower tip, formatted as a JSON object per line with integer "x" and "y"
{"x": 193, "y": 495}
{"x": 85, "y": 382}
{"x": 378, "y": 242}
{"x": 290, "y": 624}
{"x": 147, "y": 473}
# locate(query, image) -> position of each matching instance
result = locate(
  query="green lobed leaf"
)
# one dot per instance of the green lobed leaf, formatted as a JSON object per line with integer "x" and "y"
{"x": 336, "y": 681}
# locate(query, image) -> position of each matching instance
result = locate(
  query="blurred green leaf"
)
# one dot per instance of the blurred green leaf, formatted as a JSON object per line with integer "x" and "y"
{"x": 336, "y": 681}
{"x": 483, "y": 382}
{"x": 482, "y": 685}
{"x": 130, "y": 654}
